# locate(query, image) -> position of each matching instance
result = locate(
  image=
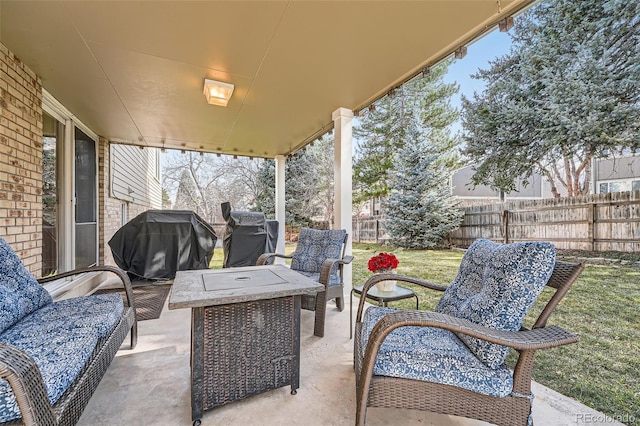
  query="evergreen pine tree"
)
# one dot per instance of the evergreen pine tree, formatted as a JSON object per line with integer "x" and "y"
{"x": 383, "y": 130}
{"x": 568, "y": 91}
{"x": 265, "y": 201}
{"x": 308, "y": 185}
{"x": 420, "y": 211}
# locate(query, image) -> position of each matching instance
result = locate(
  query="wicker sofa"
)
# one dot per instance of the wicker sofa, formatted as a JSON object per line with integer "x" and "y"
{"x": 451, "y": 361}
{"x": 54, "y": 354}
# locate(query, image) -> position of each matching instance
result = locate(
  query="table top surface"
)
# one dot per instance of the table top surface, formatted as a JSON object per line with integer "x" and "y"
{"x": 397, "y": 294}
{"x": 208, "y": 287}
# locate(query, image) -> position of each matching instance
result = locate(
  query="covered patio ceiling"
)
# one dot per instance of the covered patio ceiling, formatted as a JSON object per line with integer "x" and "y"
{"x": 133, "y": 71}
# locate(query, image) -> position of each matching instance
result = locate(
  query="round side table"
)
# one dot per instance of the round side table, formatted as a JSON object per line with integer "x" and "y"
{"x": 382, "y": 297}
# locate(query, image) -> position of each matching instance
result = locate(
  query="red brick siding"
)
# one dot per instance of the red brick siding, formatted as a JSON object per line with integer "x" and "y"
{"x": 21, "y": 159}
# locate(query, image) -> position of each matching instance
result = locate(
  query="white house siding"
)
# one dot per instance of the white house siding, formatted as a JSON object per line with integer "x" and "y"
{"x": 132, "y": 186}
{"x": 462, "y": 188}
{"x": 136, "y": 175}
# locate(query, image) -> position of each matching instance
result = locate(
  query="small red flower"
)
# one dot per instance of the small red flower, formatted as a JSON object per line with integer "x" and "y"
{"x": 383, "y": 262}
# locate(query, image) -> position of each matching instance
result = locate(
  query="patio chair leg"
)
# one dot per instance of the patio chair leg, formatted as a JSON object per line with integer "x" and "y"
{"x": 134, "y": 335}
{"x": 321, "y": 309}
{"x": 340, "y": 303}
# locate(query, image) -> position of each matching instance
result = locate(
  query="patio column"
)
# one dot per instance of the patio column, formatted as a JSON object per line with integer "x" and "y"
{"x": 343, "y": 205}
{"x": 280, "y": 207}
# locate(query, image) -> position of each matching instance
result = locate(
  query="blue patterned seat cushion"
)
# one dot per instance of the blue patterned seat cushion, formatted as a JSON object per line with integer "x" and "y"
{"x": 433, "y": 355}
{"x": 99, "y": 314}
{"x": 20, "y": 293}
{"x": 315, "y": 246}
{"x": 495, "y": 287}
{"x": 60, "y": 357}
{"x": 60, "y": 337}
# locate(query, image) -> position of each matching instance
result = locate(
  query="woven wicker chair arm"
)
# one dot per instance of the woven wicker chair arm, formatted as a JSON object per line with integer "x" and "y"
{"x": 264, "y": 258}
{"x": 376, "y": 278}
{"x": 541, "y": 338}
{"x": 327, "y": 266}
{"x": 25, "y": 380}
{"x": 347, "y": 259}
{"x": 124, "y": 278}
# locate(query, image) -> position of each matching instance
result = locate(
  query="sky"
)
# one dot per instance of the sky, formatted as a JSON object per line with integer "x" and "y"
{"x": 479, "y": 54}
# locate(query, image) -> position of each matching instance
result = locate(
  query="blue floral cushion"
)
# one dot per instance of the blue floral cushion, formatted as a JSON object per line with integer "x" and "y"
{"x": 60, "y": 357}
{"x": 433, "y": 355}
{"x": 316, "y": 246}
{"x": 98, "y": 314}
{"x": 20, "y": 293}
{"x": 468, "y": 281}
{"x": 60, "y": 337}
{"x": 513, "y": 276}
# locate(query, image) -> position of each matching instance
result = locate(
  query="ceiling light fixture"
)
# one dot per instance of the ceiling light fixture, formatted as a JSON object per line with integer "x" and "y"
{"x": 217, "y": 93}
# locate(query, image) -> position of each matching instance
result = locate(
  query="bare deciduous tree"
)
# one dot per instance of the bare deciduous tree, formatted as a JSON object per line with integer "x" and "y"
{"x": 202, "y": 182}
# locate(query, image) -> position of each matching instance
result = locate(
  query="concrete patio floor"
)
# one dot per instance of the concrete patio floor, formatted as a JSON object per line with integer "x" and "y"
{"x": 150, "y": 386}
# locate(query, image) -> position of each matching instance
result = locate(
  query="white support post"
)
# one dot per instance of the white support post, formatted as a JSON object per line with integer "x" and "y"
{"x": 343, "y": 206}
{"x": 280, "y": 204}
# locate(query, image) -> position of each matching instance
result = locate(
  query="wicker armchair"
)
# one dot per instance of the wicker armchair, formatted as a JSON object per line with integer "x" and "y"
{"x": 452, "y": 362}
{"x": 319, "y": 255}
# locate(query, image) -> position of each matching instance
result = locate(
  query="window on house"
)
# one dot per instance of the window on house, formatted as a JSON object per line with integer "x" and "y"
{"x": 617, "y": 186}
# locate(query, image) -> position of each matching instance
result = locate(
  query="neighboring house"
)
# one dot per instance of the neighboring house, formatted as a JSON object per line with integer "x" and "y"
{"x": 617, "y": 174}
{"x": 463, "y": 190}
{"x": 64, "y": 191}
{"x": 612, "y": 174}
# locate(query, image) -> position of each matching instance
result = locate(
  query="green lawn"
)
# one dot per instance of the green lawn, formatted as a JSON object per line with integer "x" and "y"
{"x": 603, "y": 307}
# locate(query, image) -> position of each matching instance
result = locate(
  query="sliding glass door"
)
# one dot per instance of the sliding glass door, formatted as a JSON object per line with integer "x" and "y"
{"x": 86, "y": 225}
{"x": 69, "y": 191}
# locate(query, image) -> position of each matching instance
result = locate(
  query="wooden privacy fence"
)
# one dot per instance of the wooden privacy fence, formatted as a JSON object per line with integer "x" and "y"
{"x": 600, "y": 222}
{"x": 369, "y": 229}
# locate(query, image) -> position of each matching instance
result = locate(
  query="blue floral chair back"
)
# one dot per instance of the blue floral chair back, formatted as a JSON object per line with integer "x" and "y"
{"x": 320, "y": 256}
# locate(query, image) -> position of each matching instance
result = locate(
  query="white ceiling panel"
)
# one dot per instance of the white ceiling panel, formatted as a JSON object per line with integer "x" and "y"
{"x": 133, "y": 70}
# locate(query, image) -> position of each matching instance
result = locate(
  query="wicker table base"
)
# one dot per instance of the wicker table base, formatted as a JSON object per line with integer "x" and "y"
{"x": 245, "y": 331}
{"x": 250, "y": 348}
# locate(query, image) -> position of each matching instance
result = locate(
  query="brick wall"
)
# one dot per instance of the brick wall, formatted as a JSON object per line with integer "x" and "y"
{"x": 21, "y": 159}
{"x": 109, "y": 209}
